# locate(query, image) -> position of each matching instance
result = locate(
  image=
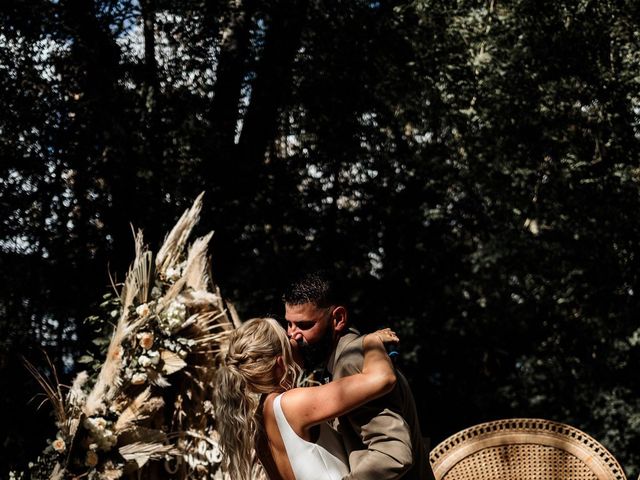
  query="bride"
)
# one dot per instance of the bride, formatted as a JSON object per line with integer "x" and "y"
{"x": 287, "y": 426}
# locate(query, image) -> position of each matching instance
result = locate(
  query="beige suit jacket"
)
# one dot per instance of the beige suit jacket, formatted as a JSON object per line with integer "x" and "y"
{"x": 382, "y": 437}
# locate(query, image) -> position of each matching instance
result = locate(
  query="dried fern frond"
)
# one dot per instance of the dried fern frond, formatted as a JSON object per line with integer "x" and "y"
{"x": 200, "y": 301}
{"x": 196, "y": 270}
{"x": 175, "y": 241}
{"x": 139, "y": 409}
{"x": 109, "y": 380}
{"x": 76, "y": 396}
{"x": 136, "y": 286}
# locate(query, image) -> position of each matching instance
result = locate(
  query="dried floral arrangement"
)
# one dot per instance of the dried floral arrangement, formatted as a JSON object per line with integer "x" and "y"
{"x": 147, "y": 413}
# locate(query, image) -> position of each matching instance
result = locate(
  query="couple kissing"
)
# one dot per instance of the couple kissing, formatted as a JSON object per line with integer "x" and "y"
{"x": 361, "y": 424}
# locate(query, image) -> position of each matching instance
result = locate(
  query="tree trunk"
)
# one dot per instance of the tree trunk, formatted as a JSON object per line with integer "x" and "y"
{"x": 271, "y": 88}
{"x": 230, "y": 74}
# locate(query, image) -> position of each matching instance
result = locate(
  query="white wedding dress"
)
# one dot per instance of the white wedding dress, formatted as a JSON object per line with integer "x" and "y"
{"x": 324, "y": 460}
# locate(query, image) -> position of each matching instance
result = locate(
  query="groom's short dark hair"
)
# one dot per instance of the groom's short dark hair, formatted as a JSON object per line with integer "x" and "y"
{"x": 317, "y": 287}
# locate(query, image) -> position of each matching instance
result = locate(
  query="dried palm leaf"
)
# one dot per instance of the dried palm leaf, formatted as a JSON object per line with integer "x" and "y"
{"x": 141, "y": 434}
{"x": 175, "y": 241}
{"x": 172, "y": 362}
{"x": 141, "y": 453}
{"x": 213, "y": 320}
{"x": 237, "y": 323}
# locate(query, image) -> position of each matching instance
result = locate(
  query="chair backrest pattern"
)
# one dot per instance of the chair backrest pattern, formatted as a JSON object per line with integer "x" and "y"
{"x": 523, "y": 449}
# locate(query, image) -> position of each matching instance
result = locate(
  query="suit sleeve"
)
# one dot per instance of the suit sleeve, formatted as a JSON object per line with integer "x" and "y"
{"x": 380, "y": 439}
{"x": 388, "y": 453}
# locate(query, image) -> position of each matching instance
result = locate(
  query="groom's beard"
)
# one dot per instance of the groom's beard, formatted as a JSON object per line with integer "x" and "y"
{"x": 315, "y": 355}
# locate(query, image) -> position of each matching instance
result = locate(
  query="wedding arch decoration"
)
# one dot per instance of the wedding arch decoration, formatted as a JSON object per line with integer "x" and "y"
{"x": 147, "y": 410}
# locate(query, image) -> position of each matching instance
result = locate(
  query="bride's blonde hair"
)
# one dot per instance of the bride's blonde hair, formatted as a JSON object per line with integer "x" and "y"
{"x": 248, "y": 368}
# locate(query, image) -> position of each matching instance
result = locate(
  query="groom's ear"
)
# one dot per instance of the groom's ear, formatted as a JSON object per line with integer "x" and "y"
{"x": 339, "y": 317}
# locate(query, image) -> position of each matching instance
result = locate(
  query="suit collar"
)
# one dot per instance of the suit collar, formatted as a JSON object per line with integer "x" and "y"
{"x": 345, "y": 339}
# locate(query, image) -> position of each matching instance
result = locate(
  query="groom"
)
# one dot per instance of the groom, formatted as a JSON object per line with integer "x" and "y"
{"x": 382, "y": 438}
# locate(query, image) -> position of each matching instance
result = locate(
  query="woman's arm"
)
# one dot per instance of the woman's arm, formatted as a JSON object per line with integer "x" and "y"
{"x": 309, "y": 406}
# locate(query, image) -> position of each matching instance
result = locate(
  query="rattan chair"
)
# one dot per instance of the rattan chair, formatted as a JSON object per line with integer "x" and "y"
{"x": 523, "y": 449}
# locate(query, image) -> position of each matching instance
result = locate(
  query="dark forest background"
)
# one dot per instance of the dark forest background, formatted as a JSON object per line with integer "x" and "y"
{"x": 472, "y": 167}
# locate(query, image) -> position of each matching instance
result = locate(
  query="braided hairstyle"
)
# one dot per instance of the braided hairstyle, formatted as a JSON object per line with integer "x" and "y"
{"x": 248, "y": 368}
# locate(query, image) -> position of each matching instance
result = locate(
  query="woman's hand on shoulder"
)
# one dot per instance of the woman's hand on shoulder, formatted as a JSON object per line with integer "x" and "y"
{"x": 384, "y": 335}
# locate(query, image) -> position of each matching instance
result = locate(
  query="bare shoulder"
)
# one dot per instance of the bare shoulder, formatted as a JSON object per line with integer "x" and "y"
{"x": 295, "y": 399}
{"x": 267, "y": 405}
{"x": 298, "y": 405}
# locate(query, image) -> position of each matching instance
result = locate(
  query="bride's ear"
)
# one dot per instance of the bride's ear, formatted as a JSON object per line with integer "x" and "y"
{"x": 280, "y": 366}
{"x": 286, "y": 381}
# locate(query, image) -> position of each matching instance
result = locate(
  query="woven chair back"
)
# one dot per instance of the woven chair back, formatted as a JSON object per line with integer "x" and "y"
{"x": 523, "y": 449}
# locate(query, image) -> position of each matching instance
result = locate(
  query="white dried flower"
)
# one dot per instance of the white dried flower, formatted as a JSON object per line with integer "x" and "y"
{"x": 174, "y": 316}
{"x": 144, "y": 361}
{"x": 173, "y": 273}
{"x": 95, "y": 424}
{"x": 59, "y": 445}
{"x": 100, "y": 423}
{"x": 154, "y": 357}
{"x": 143, "y": 310}
{"x": 139, "y": 378}
{"x": 146, "y": 340}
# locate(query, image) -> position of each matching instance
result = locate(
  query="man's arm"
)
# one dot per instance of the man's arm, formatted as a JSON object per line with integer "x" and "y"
{"x": 387, "y": 440}
{"x": 376, "y": 436}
